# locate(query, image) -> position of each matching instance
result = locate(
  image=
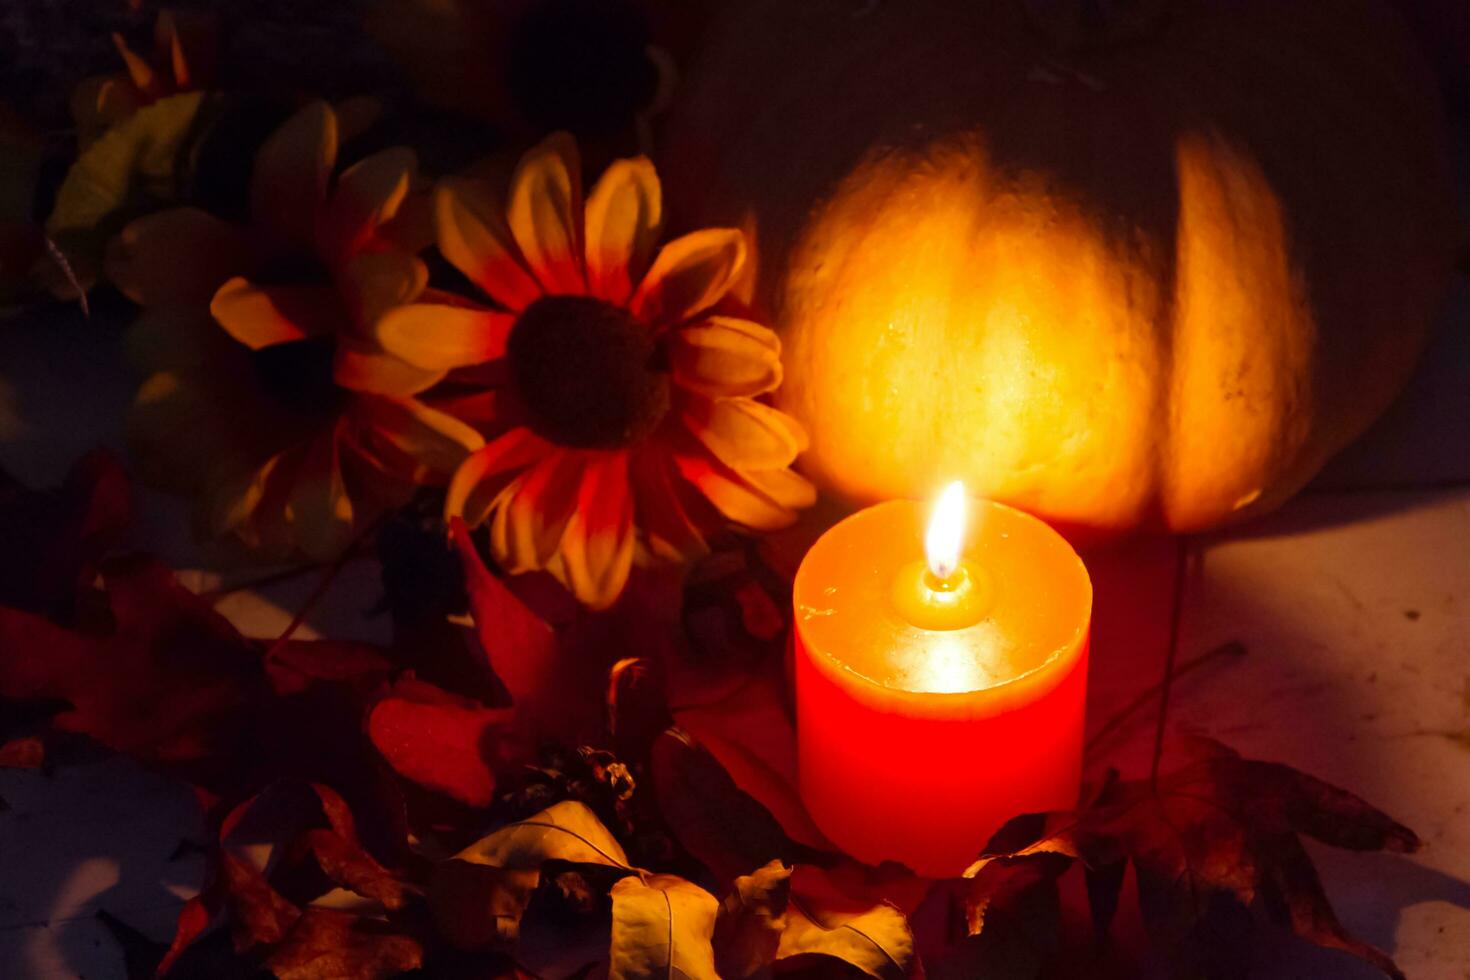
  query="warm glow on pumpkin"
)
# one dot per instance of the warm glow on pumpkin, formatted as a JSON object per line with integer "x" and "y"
{"x": 1122, "y": 294}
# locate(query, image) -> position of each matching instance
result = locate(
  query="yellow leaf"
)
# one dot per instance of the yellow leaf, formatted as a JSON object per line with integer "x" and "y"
{"x": 131, "y": 168}
{"x": 820, "y": 920}
{"x": 568, "y": 831}
{"x": 751, "y": 920}
{"x": 662, "y": 927}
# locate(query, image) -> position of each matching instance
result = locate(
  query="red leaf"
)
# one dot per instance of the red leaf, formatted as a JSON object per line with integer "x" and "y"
{"x": 325, "y": 944}
{"x": 295, "y": 664}
{"x": 556, "y": 679}
{"x": 194, "y": 918}
{"x": 22, "y": 753}
{"x": 167, "y": 680}
{"x": 445, "y": 743}
{"x": 53, "y": 539}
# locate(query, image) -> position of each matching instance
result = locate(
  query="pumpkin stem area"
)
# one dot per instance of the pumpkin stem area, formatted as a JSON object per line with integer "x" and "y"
{"x": 587, "y": 372}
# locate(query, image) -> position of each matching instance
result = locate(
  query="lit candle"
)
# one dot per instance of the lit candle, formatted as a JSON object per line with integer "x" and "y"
{"x": 940, "y": 677}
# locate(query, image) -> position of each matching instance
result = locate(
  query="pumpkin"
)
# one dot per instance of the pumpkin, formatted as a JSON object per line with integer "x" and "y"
{"x": 1124, "y": 265}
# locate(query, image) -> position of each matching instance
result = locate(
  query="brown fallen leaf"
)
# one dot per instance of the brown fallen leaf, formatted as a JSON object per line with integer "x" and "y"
{"x": 163, "y": 677}
{"x": 479, "y": 906}
{"x": 751, "y": 920}
{"x": 751, "y": 734}
{"x": 479, "y": 895}
{"x": 325, "y": 944}
{"x": 822, "y": 919}
{"x": 715, "y": 820}
{"x": 1205, "y": 842}
{"x": 259, "y": 915}
{"x": 53, "y": 539}
{"x": 343, "y": 858}
{"x": 662, "y": 927}
{"x": 568, "y": 831}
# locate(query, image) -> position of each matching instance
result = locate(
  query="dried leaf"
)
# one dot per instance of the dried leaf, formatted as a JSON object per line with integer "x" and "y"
{"x": 478, "y": 906}
{"x": 295, "y": 664}
{"x": 440, "y": 741}
{"x": 662, "y": 926}
{"x": 751, "y": 734}
{"x": 1205, "y": 842}
{"x": 53, "y": 539}
{"x": 555, "y": 686}
{"x": 325, "y": 944}
{"x": 822, "y": 919}
{"x": 259, "y": 915}
{"x": 22, "y": 753}
{"x": 568, "y": 831}
{"x": 717, "y": 822}
{"x": 751, "y": 920}
{"x": 346, "y": 863}
{"x": 167, "y": 680}
{"x": 194, "y": 919}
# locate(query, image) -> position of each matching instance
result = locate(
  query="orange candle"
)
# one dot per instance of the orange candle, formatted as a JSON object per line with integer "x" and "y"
{"x": 940, "y": 683}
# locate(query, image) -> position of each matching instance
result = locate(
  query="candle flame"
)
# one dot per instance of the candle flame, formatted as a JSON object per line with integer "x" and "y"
{"x": 946, "y": 532}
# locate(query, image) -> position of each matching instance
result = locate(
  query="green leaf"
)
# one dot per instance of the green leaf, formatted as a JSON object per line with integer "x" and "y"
{"x": 662, "y": 927}
{"x": 751, "y": 920}
{"x": 133, "y": 168}
{"x": 568, "y": 831}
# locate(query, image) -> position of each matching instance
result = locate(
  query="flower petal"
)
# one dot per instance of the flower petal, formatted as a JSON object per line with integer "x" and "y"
{"x": 472, "y": 490}
{"x": 429, "y": 445}
{"x": 671, "y": 534}
{"x": 470, "y": 224}
{"x": 439, "y": 337}
{"x": 260, "y": 316}
{"x": 785, "y": 486}
{"x": 745, "y": 434}
{"x": 367, "y": 195}
{"x": 545, "y": 213}
{"x": 373, "y": 283}
{"x": 597, "y": 545}
{"x": 289, "y": 183}
{"x": 319, "y": 509}
{"x": 624, "y": 218}
{"x": 731, "y": 494}
{"x": 178, "y": 256}
{"x": 144, "y": 78}
{"x": 233, "y": 500}
{"x": 691, "y": 273}
{"x": 377, "y": 373}
{"x": 726, "y": 356}
{"x": 528, "y": 526}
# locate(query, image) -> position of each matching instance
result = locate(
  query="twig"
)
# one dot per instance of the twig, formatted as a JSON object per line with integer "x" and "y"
{"x": 1176, "y": 614}
{"x": 269, "y": 579}
{"x": 328, "y": 577}
{"x": 1234, "y": 649}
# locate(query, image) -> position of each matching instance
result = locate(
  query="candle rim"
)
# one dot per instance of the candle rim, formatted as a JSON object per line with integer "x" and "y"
{"x": 1073, "y": 642}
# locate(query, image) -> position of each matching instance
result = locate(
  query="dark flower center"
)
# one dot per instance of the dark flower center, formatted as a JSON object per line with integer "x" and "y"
{"x": 298, "y": 375}
{"x": 587, "y": 372}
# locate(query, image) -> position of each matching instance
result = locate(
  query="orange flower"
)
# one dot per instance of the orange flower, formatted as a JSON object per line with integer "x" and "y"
{"x": 185, "y": 44}
{"x": 626, "y": 416}
{"x": 268, "y": 396}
